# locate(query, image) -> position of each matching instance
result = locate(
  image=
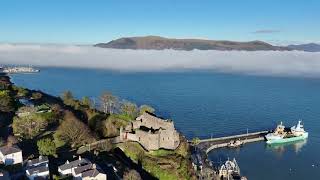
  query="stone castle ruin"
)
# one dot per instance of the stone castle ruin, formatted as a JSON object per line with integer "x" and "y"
{"x": 151, "y": 132}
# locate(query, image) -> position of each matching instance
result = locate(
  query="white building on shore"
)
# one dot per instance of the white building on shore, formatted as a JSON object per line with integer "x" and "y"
{"x": 10, "y": 155}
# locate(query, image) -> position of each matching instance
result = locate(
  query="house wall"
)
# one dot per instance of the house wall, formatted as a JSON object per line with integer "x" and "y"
{"x": 14, "y": 158}
{"x": 166, "y": 139}
{"x": 98, "y": 177}
{"x": 1, "y": 158}
{"x": 65, "y": 172}
{"x": 169, "y": 139}
{"x": 148, "y": 140}
{"x": 152, "y": 122}
{"x": 42, "y": 174}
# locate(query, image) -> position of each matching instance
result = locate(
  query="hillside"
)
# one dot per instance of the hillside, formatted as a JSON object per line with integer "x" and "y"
{"x": 160, "y": 43}
{"x": 311, "y": 47}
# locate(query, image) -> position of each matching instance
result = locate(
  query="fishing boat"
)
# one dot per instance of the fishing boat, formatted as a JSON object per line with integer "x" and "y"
{"x": 283, "y": 135}
{"x": 235, "y": 144}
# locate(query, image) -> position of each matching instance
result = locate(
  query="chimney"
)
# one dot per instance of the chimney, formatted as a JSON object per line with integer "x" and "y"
{"x": 79, "y": 157}
{"x": 94, "y": 166}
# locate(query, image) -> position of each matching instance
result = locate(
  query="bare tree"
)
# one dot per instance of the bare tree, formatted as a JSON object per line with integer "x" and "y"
{"x": 73, "y": 132}
{"x": 12, "y": 140}
{"x": 129, "y": 109}
{"x": 108, "y": 102}
{"x": 131, "y": 175}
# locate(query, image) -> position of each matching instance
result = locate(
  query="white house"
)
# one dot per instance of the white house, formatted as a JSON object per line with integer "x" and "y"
{"x": 68, "y": 167}
{"x": 10, "y": 155}
{"x": 38, "y": 168}
{"x": 82, "y": 169}
{"x": 93, "y": 174}
{"x": 89, "y": 172}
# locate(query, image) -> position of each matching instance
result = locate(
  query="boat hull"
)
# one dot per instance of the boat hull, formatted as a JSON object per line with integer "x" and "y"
{"x": 285, "y": 140}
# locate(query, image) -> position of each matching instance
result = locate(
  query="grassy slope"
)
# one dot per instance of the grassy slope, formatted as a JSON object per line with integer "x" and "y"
{"x": 163, "y": 164}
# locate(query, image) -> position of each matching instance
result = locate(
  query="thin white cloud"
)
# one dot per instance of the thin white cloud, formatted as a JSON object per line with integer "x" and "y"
{"x": 266, "y": 31}
{"x": 284, "y": 63}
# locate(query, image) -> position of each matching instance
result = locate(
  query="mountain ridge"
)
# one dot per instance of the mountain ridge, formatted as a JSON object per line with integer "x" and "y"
{"x": 161, "y": 43}
{"x": 309, "y": 47}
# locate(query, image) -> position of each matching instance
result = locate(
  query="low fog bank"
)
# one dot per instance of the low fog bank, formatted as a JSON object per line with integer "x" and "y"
{"x": 284, "y": 63}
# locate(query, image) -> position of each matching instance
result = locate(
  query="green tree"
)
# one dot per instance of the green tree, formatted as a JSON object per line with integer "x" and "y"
{"x": 6, "y": 101}
{"x": 47, "y": 147}
{"x": 36, "y": 95}
{"x": 195, "y": 140}
{"x": 67, "y": 97}
{"x": 113, "y": 124}
{"x": 87, "y": 102}
{"x": 21, "y": 92}
{"x": 146, "y": 108}
{"x": 130, "y": 109}
{"x": 32, "y": 125}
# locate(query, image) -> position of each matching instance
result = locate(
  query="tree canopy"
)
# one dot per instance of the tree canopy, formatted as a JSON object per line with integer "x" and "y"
{"x": 146, "y": 108}
{"x": 130, "y": 109}
{"x": 72, "y": 132}
{"x": 131, "y": 175}
{"x": 47, "y": 147}
{"x": 33, "y": 124}
{"x": 108, "y": 102}
{"x": 6, "y": 101}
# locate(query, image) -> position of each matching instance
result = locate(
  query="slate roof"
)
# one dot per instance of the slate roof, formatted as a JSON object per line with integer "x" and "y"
{"x": 73, "y": 164}
{"x": 91, "y": 173}
{"x": 81, "y": 169}
{"x": 39, "y": 160}
{"x": 5, "y": 150}
{"x": 38, "y": 169}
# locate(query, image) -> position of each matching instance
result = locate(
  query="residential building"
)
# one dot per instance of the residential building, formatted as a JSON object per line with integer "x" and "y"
{"x": 38, "y": 168}
{"x": 68, "y": 167}
{"x": 10, "y": 155}
{"x": 82, "y": 169}
{"x": 89, "y": 172}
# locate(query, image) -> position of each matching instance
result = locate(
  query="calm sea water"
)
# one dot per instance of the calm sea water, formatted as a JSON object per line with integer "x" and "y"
{"x": 204, "y": 104}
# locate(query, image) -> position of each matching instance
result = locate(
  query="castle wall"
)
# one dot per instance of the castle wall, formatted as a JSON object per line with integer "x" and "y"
{"x": 152, "y": 122}
{"x": 165, "y": 137}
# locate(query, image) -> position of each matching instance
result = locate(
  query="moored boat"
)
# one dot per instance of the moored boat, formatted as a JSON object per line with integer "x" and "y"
{"x": 284, "y": 135}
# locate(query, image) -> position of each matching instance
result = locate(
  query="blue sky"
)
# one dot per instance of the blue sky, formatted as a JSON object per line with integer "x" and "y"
{"x": 93, "y": 21}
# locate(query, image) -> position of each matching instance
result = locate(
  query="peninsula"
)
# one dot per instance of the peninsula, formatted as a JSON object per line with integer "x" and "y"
{"x": 62, "y": 137}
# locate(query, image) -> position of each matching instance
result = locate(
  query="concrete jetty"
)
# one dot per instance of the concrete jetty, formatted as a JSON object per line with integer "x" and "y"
{"x": 204, "y": 146}
{"x": 207, "y": 145}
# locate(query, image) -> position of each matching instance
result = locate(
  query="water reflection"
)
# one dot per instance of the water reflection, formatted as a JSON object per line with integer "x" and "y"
{"x": 281, "y": 148}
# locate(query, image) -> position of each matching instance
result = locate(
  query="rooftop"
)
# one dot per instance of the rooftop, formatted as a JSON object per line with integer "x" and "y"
{"x": 5, "y": 150}
{"x": 91, "y": 173}
{"x": 72, "y": 164}
{"x": 86, "y": 167}
{"x": 39, "y": 160}
{"x": 37, "y": 169}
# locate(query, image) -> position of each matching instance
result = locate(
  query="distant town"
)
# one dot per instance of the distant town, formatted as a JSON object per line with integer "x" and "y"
{"x": 18, "y": 69}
